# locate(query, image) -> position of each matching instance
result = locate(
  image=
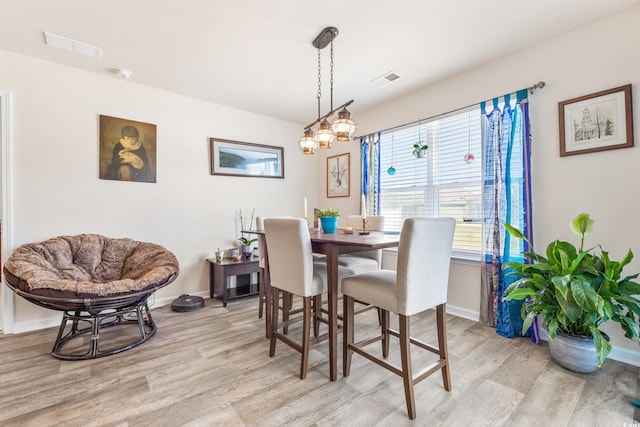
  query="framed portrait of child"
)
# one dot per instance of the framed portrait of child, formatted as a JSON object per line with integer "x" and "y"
{"x": 127, "y": 150}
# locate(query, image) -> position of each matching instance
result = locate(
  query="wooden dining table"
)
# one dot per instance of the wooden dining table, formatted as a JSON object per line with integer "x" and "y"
{"x": 332, "y": 245}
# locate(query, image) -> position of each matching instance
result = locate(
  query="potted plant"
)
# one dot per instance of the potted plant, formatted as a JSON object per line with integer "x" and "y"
{"x": 574, "y": 291}
{"x": 419, "y": 150}
{"x": 328, "y": 219}
{"x": 245, "y": 245}
{"x": 245, "y": 242}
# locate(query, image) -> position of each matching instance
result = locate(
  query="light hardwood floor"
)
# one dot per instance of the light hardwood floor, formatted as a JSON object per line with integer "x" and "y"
{"x": 211, "y": 367}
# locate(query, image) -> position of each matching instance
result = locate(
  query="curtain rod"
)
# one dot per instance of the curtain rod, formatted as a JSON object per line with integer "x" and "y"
{"x": 531, "y": 89}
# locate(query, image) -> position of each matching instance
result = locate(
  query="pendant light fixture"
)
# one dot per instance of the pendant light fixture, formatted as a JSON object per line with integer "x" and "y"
{"x": 343, "y": 127}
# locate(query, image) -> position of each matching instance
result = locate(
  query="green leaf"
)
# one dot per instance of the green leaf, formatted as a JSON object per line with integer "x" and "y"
{"x": 603, "y": 347}
{"x": 552, "y": 328}
{"x": 514, "y": 232}
{"x": 630, "y": 327}
{"x": 583, "y": 294}
{"x": 627, "y": 259}
{"x": 561, "y": 283}
{"x": 569, "y": 307}
{"x": 518, "y": 294}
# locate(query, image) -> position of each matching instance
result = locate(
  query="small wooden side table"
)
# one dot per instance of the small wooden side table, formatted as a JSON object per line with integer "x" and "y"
{"x": 220, "y": 271}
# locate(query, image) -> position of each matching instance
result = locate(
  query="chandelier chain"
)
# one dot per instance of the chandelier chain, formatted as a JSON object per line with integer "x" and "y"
{"x": 319, "y": 83}
{"x": 331, "y": 78}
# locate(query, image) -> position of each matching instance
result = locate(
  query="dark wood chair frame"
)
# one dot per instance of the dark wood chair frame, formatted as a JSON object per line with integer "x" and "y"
{"x": 406, "y": 370}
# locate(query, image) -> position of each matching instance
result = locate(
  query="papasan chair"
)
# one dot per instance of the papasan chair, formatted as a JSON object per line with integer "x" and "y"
{"x": 98, "y": 283}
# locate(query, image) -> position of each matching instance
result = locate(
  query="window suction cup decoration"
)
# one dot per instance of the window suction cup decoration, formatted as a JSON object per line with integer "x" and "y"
{"x": 391, "y": 170}
{"x": 419, "y": 149}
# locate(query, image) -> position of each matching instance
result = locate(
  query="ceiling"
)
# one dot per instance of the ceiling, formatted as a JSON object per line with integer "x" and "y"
{"x": 256, "y": 55}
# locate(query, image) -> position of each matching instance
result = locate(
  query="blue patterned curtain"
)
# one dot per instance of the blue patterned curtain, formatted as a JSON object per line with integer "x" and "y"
{"x": 370, "y": 171}
{"x": 506, "y": 198}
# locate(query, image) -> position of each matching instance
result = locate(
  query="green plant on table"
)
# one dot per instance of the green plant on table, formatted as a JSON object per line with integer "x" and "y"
{"x": 576, "y": 290}
{"x": 244, "y": 241}
{"x": 327, "y": 212}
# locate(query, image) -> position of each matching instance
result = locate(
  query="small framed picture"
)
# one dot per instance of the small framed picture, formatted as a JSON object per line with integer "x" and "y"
{"x": 338, "y": 175}
{"x": 596, "y": 122}
{"x": 246, "y": 159}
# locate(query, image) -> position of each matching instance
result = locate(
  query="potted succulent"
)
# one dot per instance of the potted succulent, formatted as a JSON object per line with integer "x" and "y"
{"x": 419, "y": 150}
{"x": 328, "y": 219}
{"x": 574, "y": 291}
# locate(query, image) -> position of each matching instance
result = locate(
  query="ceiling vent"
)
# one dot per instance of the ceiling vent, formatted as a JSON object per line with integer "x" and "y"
{"x": 385, "y": 79}
{"x": 72, "y": 45}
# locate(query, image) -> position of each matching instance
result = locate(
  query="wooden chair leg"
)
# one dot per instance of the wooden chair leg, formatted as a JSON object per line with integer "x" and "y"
{"x": 405, "y": 356}
{"x": 383, "y": 318}
{"x": 286, "y": 307}
{"x": 317, "y": 312}
{"x": 347, "y": 331}
{"x": 306, "y": 332}
{"x": 442, "y": 345}
{"x": 261, "y": 296}
{"x": 275, "y": 294}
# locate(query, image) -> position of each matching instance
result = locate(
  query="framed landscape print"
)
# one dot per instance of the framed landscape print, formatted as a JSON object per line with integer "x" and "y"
{"x": 338, "y": 175}
{"x": 246, "y": 159}
{"x": 596, "y": 122}
{"x": 127, "y": 150}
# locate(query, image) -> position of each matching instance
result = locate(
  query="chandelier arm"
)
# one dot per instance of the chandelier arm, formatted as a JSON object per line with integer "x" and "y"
{"x": 346, "y": 104}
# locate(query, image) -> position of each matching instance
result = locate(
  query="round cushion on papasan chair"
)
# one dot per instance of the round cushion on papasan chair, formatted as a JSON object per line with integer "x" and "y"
{"x": 93, "y": 279}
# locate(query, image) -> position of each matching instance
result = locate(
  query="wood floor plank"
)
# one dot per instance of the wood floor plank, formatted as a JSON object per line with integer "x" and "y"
{"x": 211, "y": 367}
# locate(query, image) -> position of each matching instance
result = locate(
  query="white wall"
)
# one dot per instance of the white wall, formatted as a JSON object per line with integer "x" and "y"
{"x": 597, "y": 57}
{"x": 55, "y": 169}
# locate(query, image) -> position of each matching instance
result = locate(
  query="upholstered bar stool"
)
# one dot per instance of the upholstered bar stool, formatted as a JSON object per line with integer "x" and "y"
{"x": 293, "y": 271}
{"x": 419, "y": 283}
{"x": 365, "y": 261}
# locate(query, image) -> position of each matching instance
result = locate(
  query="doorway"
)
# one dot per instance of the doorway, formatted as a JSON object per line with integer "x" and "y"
{"x": 6, "y": 306}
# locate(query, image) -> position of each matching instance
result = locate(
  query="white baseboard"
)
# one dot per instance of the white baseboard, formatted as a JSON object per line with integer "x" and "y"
{"x": 463, "y": 312}
{"x": 36, "y": 324}
{"x": 160, "y": 302}
{"x": 624, "y": 355}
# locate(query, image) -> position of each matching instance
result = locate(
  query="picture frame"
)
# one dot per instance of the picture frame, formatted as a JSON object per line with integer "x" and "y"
{"x": 596, "y": 122}
{"x": 127, "y": 150}
{"x": 338, "y": 175}
{"x": 236, "y": 158}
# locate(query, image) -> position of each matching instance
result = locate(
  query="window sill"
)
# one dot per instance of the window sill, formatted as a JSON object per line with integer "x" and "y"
{"x": 467, "y": 258}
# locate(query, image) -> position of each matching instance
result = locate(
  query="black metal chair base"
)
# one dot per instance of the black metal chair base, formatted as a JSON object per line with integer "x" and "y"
{"x": 99, "y": 313}
{"x": 97, "y": 322}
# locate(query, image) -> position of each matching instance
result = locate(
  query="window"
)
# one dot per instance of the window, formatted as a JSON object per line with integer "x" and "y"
{"x": 446, "y": 182}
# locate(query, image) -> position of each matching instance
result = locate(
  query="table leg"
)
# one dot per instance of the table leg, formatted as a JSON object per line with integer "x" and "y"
{"x": 266, "y": 282}
{"x": 332, "y": 284}
{"x": 268, "y": 299}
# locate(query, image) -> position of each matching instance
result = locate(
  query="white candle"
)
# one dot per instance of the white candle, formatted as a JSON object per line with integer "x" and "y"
{"x": 305, "y": 208}
{"x": 364, "y": 207}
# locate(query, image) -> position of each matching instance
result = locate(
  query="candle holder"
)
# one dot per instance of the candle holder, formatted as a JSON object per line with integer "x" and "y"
{"x": 365, "y": 226}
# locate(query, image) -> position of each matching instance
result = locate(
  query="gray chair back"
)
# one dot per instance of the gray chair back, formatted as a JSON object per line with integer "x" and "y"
{"x": 424, "y": 255}
{"x": 290, "y": 256}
